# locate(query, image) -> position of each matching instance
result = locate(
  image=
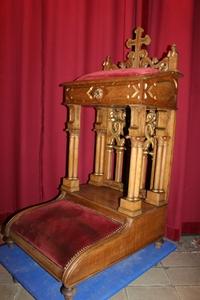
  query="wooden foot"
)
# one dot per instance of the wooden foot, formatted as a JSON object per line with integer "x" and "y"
{"x": 159, "y": 243}
{"x": 8, "y": 241}
{"x": 68, "y": 293}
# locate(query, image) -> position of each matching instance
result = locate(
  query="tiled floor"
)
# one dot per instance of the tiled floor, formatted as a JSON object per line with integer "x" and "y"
{"x": 177, "y": 277}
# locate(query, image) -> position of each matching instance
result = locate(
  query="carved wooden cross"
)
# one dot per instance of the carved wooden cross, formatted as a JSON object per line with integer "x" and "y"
{"x": 137, "y": 43}
{"x": 139, "y": 40}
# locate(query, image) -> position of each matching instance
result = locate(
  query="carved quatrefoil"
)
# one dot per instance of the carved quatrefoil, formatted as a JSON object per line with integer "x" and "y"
{"x": 95, "y": 92}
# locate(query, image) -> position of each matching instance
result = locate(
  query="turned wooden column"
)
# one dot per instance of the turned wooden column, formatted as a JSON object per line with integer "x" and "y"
{"x": 71, "y": 182}
{"x": 135, "y": 170}
{"x": 119, "y": 163}
{"x": 96, "y": 178}
{"x": 157, "y": 193}
{"x": 160, "y": 164}
{"x": 109, "y": 162}
{"x": 102, "y": 152}
{"x": 143, "y": 175}
{"x": 131, "y": 204}
{"x": 133, "y": 201}
{"x": 162, "y": 158}
{"x": 99, "y": 156}
{"x": 114, "y": 152}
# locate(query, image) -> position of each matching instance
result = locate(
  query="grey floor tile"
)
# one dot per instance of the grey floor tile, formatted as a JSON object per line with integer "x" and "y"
{"x": 184, "y": 276}
{"x": 5, "y": 277}
{"x": 120, "y": 296}
{"x": 189, "y": 243}
{"x": 10, "y": 290}
{"x": 7, "y": 291}
{"x": 14, "y": 291}
{"x": 155, "y": 276}
{"x": 177, "y": 277}
{"x": 158, "y": 265}
{"x": 182, "y": 259}
{"x": 152, "y": 293}
{"x": 189, "y": 292}
{"x": 23, "y": 294}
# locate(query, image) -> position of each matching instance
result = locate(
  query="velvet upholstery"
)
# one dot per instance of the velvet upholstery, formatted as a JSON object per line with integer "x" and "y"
{"x": 118, "y": 73}
{"x": 61, "y": 229}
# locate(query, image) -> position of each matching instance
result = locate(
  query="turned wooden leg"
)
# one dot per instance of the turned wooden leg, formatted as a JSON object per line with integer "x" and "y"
{"x": 8, "y": 241}
{"x": 159, "y": 243}
{"x": 68, "y": 293}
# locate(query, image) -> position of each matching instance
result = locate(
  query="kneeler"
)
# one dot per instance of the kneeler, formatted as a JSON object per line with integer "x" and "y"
{"x": 122, "y": 208}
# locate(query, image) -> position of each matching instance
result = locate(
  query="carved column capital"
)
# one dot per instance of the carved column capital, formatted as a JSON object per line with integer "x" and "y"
{"x": 162, "y": 140}
{"x": 137, "y": 141}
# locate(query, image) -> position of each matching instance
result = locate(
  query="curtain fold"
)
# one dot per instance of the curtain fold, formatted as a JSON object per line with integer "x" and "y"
{"x": 20, "y": 88}
{"x": 167, "y": 23}
{"x": 44, "y": 43}
{"x": 77, "y": 36}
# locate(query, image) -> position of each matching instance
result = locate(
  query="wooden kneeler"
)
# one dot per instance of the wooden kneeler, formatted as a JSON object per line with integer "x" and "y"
{"x": 123, "y": 207}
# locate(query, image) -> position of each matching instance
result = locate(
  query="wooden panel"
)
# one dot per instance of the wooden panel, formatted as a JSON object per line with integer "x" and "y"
{"x": 152, "y": 90}
{"x": 142, "y": 231}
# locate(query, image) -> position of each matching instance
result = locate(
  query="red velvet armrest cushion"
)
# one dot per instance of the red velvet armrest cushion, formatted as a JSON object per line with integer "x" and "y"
{"x": 118, "y": 73}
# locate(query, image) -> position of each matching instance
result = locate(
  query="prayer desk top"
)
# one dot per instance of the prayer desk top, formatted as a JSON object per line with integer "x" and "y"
{"x": 142, "y": 86}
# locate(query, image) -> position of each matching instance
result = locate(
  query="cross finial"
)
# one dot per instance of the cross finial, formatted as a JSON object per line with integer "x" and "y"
{"x": 139, "y": 40}
{"x": 137, "y": 43}
{"x": 138, "y": 57}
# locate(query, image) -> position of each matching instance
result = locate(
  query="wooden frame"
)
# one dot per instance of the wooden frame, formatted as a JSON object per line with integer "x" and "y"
{"x": 148, "y": 101}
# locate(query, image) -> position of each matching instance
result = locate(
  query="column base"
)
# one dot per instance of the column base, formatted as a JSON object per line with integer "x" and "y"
{"x": 131, "y": 208}
{"x": 71, "y": 185}
{"x": 143, "y": 193}
{"x": 156, "y": 198}
{"x": 113, "y": 184}
{"x": 96, "y": 179}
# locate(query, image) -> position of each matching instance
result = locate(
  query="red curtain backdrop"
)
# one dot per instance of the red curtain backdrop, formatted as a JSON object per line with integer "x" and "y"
{"x": 167, "y": 22}
{"x": 44, "y": 43}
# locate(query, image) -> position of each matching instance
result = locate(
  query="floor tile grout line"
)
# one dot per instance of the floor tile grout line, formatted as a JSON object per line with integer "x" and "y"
{"x": 170, "y": 286}
{"x": 167, "y": 276}
{"x": 126, "y": 293}
{"x": 178, "y": 293}
{"x": 179, "y": 267}
{"x": 162, "y": 285}
{"x": 175, "y": 287}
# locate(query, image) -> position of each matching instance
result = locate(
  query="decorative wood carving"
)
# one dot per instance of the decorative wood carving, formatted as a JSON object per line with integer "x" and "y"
{"x": 138, "y": 58}
{"x": 151, "y": 90}
{"x": 150, "y": 128}
{"x": 137, "y": 110}
{"x": 114, "y": 146}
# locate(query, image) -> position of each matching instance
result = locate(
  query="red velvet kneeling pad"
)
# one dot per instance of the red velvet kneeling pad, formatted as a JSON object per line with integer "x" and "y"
{"x": 118, "y": 73}
{"x": 61, "y": 229}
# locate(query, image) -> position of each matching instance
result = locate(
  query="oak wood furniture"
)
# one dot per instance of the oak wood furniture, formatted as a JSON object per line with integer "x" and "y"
{"x": 123, "y": 207}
